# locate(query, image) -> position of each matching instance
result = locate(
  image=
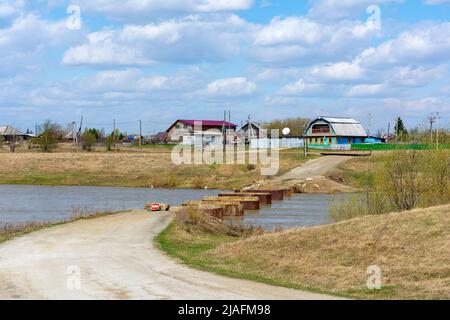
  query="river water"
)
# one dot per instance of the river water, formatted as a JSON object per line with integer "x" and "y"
{"x": 41, "y": 203}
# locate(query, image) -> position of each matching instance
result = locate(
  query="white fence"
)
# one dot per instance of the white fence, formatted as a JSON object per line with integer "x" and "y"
{"x": 266, "y": 143}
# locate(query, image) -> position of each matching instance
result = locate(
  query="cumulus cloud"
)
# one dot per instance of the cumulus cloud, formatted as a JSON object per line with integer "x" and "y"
{"x": 338, "y": 9}
{"x": 191, "y": 39}
{"x": 429, "y": 44}
{"x": 146, "y": 9}
{"x": 23, "y": 42}
{"x": 340, "y": 71}
{"x": 369, "y": 90}
{"x": 300, "y": 40}
{"x": 231, "y": 87}
{"x": 303, "y": 88}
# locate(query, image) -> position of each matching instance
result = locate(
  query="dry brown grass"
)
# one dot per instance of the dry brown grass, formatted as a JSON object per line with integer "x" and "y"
{"x": 135, "y": 167}
{"x": 411, "y": 248}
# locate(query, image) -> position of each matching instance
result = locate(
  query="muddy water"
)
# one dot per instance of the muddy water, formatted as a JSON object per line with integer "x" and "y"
{"x": 299, "y": 210}
{"x": 41, "y": 203}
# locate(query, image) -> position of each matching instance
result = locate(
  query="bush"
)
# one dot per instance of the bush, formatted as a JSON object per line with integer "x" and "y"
{"x": 48, "y": 139}
{"x": 406, "y": 180}
{"x": 88, "y": 140}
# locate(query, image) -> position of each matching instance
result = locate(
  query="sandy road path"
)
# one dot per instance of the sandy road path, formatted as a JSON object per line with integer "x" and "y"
{"x": 117, "y": 260}
{"x": 313, "y": 168}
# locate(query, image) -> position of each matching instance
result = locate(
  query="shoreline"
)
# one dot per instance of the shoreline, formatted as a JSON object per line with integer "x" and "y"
{"x": 28, "y": 227}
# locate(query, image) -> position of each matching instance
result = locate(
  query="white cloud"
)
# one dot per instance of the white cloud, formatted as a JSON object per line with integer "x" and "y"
{"x": 133, "y": 10}
{"x": 272, "y": 74}
{"x": 414, "y": 77}
{"x": 428, "y": 44}
{"x": 338, "y": 9}
{"x": 419, "y": 107}
{"x": 191, "y": 39}
{"x": 340, "y": 71}
{"x": 303, "y": 88}
{"x": 299, "y": 40}
{"x": 368, "y": 90}
{"x": 24, "y": 41}
{"x": 231, "y": 87}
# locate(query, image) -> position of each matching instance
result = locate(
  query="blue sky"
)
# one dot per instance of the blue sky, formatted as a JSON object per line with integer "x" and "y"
{"x": 159, "y": 60}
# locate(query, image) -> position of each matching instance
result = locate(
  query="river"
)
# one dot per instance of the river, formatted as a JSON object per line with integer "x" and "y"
{"x": 20, "y": 203}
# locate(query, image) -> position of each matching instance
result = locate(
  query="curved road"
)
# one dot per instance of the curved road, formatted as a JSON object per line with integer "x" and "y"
{"x": 117, "y": 260}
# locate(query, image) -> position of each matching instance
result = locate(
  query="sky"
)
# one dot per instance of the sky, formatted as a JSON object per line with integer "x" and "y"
{"x": 162, "y": 60}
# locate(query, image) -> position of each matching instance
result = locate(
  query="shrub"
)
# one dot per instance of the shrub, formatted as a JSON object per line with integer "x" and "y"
{"x": 48, "y": 139}
{"x": 406, "y": 180}
{"x": 88, "y": 140}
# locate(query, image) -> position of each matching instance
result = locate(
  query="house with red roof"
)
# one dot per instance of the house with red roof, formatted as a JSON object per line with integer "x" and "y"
{"x": 187, "y": 130}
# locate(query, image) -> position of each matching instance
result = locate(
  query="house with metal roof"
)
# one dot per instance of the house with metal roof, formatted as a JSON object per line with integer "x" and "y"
{"x": 187, "y": 130}
{"x": 10, "y": 133}
{"x": 330, "y": 132}
{"x": 249, "y": 131}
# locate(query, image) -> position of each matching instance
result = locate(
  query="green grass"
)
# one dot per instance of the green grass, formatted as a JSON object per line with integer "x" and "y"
{"x": 388, "y": 147}
{"x": 330, "y": 259}
{"x": 193, "y": 252}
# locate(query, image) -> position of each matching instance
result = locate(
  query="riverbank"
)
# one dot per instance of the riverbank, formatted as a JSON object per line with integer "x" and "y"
{"x": 9, "y": 231}
{"x": 411, "y": 249}
{"x": 144, "y": 167}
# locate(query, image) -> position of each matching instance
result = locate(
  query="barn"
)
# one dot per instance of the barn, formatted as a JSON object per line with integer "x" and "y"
{"x": 329, "y": 132}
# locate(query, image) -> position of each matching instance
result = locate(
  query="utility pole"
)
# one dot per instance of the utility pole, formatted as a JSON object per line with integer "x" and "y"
{"x": 396, "y": 130}
{"x": 74, "y": 134}
{"x": 431, "y": 119}
{"x": 114, "y": 134}
{"x": 305, "y": 147}
{"x": 437, "y": 130}
{"x": 223, "y": 126}
{"x": 370, "y": 123}
{"x": 140, "y": 132}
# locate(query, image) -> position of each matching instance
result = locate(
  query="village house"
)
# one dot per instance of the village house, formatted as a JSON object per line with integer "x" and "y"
{"x": 10, "y": 134}
{"x": 185, "y": 131}
{"x": 248, "y": 132}
{"x": 330, "y": 132}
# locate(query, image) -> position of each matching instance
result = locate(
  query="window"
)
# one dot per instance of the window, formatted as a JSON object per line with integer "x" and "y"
{"x": 321, "y": 128}
{"x": 330, "y": 141}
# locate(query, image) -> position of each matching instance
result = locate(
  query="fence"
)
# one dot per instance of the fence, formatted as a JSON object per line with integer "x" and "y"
{"x": 266, "y": 143}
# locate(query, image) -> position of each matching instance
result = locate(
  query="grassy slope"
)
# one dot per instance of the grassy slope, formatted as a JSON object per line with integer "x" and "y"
{"x": 142, "y": 168}
{"x": 411, "y": 248}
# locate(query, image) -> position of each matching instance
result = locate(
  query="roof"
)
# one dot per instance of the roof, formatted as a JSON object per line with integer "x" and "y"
{"x": 161, "y": 135}
{"x": 10, "y": 131}
{"x": 208, "y": 123}
{"x": 211, "y": 123}
{"x": 254, "y": 125}
{"x": 343, "y": 126}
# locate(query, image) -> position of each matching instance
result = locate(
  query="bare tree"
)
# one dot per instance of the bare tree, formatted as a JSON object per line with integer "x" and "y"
{"x": 403, "y": 183}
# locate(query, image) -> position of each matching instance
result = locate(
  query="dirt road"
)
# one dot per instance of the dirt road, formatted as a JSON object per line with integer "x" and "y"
{"x": 313, "y": 168}
{"x": 311, "y": 176}
{"x": 116, "y": 259}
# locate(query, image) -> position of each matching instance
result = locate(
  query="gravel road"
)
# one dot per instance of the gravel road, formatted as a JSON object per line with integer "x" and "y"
{"x": 116, "y": 259}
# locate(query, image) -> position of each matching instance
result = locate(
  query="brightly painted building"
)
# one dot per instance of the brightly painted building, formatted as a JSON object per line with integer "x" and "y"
{"x": 333, "y": 132}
